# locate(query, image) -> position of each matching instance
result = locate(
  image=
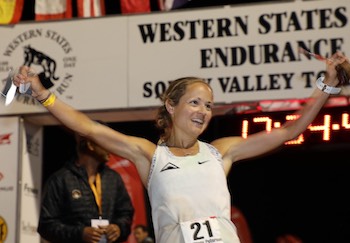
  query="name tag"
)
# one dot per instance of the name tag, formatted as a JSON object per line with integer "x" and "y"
{"x": 100, "y": 222}
{"x": 201, "y": 230}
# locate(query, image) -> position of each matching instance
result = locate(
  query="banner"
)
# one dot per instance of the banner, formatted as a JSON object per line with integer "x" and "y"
{"x": 9, "y": 182}
{"x": 31, "y": 174}
{"x": 88, "y": 73}
{"x": 247, "y": 53}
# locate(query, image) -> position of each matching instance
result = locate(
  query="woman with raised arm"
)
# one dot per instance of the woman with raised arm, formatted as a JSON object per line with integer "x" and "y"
{"x": 185, "y": 177}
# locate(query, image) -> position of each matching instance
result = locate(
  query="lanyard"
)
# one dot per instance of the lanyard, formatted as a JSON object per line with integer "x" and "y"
{"x": 97, "y": 190}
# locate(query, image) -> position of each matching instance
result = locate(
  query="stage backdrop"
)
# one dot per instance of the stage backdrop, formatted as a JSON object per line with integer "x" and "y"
{"x": 9, "y": 176}
{"x": 246, "y": 52}
{"x": 30, "y": 182}
{"x": 20, "y": 180}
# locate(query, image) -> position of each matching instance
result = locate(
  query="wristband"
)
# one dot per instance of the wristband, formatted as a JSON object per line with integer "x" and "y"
{"x": 326, "y": 88}
{"x": 43, "y": 100}
{"x": 50, "y": 100}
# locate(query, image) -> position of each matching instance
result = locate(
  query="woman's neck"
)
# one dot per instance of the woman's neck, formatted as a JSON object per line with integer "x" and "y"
{"x": 183, "y": 149}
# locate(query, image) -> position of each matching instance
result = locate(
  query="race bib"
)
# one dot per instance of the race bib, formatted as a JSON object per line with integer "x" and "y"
{"x": 201, "y": 230}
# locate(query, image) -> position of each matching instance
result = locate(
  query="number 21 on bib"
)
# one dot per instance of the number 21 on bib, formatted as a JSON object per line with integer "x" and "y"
{"x": 204, "y": 230}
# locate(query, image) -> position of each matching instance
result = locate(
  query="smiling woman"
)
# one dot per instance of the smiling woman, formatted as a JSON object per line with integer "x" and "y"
{"x": 186, "y": 205}
{"x": 276, "y": 196}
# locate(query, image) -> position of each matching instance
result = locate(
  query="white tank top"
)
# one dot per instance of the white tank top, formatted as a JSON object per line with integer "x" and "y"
{"x": 188, "y": 188}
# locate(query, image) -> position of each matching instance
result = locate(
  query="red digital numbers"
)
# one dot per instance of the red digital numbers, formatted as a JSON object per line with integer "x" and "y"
{"x": 324, "y": 125}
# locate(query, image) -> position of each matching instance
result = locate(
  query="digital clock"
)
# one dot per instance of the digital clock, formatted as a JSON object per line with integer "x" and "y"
{"x": 329, "y": 126}
{"x": 332, "y": 125}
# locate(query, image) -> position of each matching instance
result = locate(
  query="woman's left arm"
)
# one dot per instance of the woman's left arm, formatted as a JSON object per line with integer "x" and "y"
{"x": 235, "y": 148}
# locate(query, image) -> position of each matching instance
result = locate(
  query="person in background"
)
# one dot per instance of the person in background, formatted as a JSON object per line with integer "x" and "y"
{"x": 141, "y": 234}
{"x": 85, "y": 201}
{"x": 186, "y": 177}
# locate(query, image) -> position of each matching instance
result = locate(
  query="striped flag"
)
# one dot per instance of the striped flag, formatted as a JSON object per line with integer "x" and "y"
{"x": 166, "y": 5}
{"x": 53, "y": 9}
{"x": 10, "y": 11}
{"x": 91, "y": 8}
{"x": 135, "y": 6}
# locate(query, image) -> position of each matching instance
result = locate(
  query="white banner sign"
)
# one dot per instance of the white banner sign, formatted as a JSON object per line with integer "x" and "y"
{"x": 30, "y": 199}
{"x": 246, "y": 52}
{"x": 9, "y": 167}
{"x": 84, "y": 62}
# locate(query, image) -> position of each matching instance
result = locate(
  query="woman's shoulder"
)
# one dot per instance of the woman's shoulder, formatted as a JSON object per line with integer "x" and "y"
{"x": 212, "y": 149}
{"x": 203, "y": 143}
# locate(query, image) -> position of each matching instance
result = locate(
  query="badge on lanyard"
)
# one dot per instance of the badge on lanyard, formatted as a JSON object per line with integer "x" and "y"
{"x": 100, "y": 222}
{"x": 201, "y": 230}
{"x": 97, "y": 190}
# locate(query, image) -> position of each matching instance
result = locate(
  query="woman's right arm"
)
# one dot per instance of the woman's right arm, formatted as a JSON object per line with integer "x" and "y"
{"x": 138, "y": 150}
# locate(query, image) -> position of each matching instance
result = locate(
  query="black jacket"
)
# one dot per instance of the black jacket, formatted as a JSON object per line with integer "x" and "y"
{"x": 68, "y": 204}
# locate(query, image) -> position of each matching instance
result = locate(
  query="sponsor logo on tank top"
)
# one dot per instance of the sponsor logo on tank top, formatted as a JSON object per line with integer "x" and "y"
{"x": 203, "y": 162}
{"x": 169, "y": 166}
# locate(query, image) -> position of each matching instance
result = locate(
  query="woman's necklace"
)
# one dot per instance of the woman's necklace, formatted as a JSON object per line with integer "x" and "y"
{"x": 179, "y": 151}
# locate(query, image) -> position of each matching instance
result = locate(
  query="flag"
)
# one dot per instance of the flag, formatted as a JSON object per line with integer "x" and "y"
{"x": 135, "y": 6}
{"x": 166, "y": 5}
{"x": 90, "y": 8}
{"x": 53, "y": 9}
{"x": 10, "y": 11}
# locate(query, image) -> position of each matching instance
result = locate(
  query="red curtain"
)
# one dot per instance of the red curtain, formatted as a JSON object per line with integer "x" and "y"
{"x": 133, "y": 184}
{"x": 241, "y": 224}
